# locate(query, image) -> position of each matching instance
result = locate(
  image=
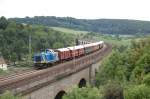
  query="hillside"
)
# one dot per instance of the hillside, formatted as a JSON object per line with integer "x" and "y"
{"x": 14, "y": 39}
{"x": 106, "y": 26}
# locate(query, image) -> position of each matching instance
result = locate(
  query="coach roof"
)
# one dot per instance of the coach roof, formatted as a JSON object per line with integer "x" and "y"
{"x": 62, "y": 49}
{"x": 76, "y": 47}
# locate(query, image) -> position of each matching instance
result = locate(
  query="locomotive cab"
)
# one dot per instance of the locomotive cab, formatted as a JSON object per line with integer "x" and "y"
{"x": 45, "y": 58}
{"x": 51, "y": 56}
{"x": 39, "y": 58}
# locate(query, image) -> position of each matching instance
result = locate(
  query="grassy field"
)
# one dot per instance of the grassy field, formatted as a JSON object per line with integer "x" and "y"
{"x": 113, "y": 40}
{"x": 67, "y": 30}
{"x": 97, "y": 37}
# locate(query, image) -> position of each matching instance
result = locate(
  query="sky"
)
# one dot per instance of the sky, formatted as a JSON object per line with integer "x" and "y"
{"x": 81, "y": 9}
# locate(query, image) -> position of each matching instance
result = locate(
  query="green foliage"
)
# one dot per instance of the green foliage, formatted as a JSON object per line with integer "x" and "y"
{"x": 3, "y": 23}
{"x": 83, "y": 93}
{"x": 57, "y": 45}
{"x": 130, "y": 67}
{"x": 108, "y": 26}
{"x": 112, "y": 90}
{"x": 14, "y": 40}
{"x": 137, "y": 92}
{"x": 8, "y": 95}
{"x": 129, "y": 64}
{"x": 146, "y": 79}
{"x": 2, "y": 72}
{"x": 111, "y": 69}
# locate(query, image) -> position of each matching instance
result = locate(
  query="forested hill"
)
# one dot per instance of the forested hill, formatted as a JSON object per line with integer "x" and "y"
{"x": 14, "y": 39}
{"x": 108, "y": 26}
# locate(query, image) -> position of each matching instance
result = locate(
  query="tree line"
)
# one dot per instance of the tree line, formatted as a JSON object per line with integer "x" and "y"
{"x": 106, "y": 26}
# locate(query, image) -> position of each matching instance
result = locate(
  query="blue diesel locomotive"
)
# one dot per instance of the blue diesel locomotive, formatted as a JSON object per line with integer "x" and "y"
{"x": 45, "y": 58}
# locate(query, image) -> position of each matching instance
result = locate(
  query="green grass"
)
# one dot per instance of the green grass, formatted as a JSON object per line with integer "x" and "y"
{"x": 3, "y": 72}
{"x": 67, "y": 30}
{"x": 113, "y": 40}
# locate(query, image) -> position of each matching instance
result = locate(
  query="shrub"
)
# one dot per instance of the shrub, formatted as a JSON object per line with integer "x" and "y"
{"x": 9, "y": 95}
{"x": 146, "y": 79}
{"x": 138, "y": 92}
{"x": 83, "y": 93}
{"x": 113, "y": 91}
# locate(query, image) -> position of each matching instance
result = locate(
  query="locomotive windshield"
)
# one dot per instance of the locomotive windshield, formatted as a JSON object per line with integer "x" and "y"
{"x": 37, "y": 58}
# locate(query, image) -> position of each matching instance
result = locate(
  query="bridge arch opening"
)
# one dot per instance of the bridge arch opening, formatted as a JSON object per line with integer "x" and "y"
{"x": 82, "y": 83}
{"x": 60, "y": 94}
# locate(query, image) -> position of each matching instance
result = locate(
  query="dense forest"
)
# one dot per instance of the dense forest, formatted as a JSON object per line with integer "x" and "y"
{"x": 14, "y": 39}
{"x": 108, "y": 26}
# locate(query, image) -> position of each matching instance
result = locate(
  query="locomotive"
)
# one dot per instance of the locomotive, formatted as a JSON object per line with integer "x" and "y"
{"x": 48, "y": 57}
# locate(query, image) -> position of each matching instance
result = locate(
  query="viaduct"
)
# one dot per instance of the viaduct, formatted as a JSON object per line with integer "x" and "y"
{"x": 54, "y": 82}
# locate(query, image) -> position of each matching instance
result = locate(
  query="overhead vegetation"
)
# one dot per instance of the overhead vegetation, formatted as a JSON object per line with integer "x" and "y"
{"x": 107, "y": 26}
{"x": 14, "y": 39}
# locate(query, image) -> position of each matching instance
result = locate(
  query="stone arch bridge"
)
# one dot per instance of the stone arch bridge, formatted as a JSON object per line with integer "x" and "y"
{"x": 53, "y": 83}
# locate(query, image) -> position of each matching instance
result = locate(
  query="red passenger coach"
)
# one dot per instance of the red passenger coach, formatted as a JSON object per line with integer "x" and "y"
{"x": 63, "y": 53}
{"x": 80, "y": 50}
{"x": 76, "y": 51}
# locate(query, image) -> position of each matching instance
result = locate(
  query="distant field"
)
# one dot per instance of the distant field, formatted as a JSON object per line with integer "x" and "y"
{"x": 67, "y": 30}
{"x": 107, "y": 38}
{"x": 113, "y": 40}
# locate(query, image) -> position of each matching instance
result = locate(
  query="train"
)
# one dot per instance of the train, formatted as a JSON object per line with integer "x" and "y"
{"x": 49, "y": 57}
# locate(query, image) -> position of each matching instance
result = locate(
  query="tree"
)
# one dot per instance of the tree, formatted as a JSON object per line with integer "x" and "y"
{"x": 57, "y": 45}
{"x": 3, "y": 22}
{"x": 112, "y": 69}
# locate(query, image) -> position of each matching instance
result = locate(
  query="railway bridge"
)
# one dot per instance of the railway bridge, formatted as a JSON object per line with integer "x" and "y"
{"x": 53, "y": 83}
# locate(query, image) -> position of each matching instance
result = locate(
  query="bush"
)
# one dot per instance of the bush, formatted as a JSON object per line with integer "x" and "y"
{"x": 113, "y": 91}
{"x": 138, "y": 92}
{"x": 2, "y": 72}
{"x": 8, "y": 95}
{"x": 83, "y": 93}
{"x": 146, "y": 79}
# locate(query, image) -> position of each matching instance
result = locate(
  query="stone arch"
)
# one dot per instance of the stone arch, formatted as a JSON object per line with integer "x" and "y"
{"x": 60, "y": 94}
{"x": 82, "y": 83}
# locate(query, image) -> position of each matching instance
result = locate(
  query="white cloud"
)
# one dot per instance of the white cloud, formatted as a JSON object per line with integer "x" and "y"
{"x": 126, "y": 9}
